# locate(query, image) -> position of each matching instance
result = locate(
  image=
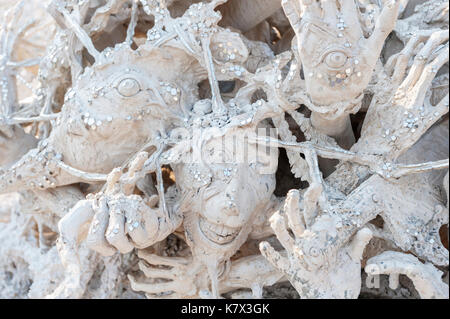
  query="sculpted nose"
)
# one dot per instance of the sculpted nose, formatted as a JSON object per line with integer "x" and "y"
{"x": 231, "y": 207}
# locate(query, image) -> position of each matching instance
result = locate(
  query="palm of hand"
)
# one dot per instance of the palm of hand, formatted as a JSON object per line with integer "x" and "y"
{"x": 315, "y": 270}
{"x": 337, "y": 59}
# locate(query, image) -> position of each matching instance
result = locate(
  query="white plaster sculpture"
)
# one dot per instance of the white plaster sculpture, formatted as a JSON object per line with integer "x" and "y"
{"x": 145, "y": 160}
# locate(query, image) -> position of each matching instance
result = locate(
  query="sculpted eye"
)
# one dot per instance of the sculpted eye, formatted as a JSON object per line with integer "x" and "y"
{"x": 128, "y": 87}
{"x": 314, "y": 252}
{"x": 336, "y": 59}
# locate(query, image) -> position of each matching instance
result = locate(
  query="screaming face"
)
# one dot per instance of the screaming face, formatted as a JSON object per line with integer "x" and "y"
{"x": 221, "y": 201}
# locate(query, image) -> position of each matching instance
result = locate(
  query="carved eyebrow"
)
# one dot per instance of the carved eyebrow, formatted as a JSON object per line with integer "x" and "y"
{"x": 332, "y": 49}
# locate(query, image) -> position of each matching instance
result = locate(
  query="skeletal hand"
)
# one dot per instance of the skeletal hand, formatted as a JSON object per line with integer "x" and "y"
{"x": 182, "y": 277}
{"x": 337, "y": 59}
{"x": 315, "y": 271}
{"x": 395, "y": 123}
{"x": 188, "y": 279}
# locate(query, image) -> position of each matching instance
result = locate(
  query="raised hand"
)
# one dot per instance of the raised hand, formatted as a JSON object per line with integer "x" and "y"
{"x": 185, "y": 278}
{"x": 337, "y": 59}
{"x": 314, "y": 272}
{"x": 395, "y": 121}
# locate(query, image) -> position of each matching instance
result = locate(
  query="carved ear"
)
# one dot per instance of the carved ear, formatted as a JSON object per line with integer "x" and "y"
{"x": 227, "y": 46}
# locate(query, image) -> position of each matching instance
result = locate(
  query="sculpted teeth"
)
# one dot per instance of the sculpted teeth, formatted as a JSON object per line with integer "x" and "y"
{"x": 219, "y": 234}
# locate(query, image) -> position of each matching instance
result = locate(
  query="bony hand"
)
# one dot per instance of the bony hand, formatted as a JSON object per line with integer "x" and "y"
{"x": 182, "y": 277}
{"x": 396, "y": 121}
{"x": 310, "y": 267}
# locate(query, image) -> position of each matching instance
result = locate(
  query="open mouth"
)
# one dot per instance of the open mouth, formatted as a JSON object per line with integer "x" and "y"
{"x": 219, "y": 234}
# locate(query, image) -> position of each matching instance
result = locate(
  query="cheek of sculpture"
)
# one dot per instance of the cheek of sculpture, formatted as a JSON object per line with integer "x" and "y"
{"x": 227, "y": 214}
{"x": 104, "y": 127}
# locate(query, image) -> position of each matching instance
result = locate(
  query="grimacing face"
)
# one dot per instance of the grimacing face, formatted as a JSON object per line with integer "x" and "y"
{"x": 219, "y": 215}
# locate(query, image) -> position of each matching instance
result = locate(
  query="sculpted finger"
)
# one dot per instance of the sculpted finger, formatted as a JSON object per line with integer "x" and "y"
{"x": 398, "y": 69}
{"x": 151, "y": 224}
{"x": 439, "y": 13}
{"x": 138, "y": 235}
{"x": 384, "y": 25}
{"x": 429, "y": 73}
{"x": 330, "y": 12}
{"x": 96, "y": 236}
{"x": 115, "y": 233}
{"x": 427, "y": 278}
{"x": 138, "y": 163}
{"x": 311, "y": 8}
{"x": 278, "y": 224}
{"x": 113, "y": 178}
{"x": 152, "y": 288}
{"x": 293, "y": 12}
{"x": 159, "y": 260}
{"x": 359, "y": 243}
{"x": 295, "y": 218}
{"x": 436, "y": 39}
{"x": 388, "y": 263}
{"x": 153, "y": 201}
{"x": 71, "y": 225}
{"x": 274, "y": 257}
{"x": 151, "y": 272}
{"x": 350, "y": 15}
{"x": 134, "y": 225}
{"x": 310, "y": 201}
{"x": 129, "y": 179}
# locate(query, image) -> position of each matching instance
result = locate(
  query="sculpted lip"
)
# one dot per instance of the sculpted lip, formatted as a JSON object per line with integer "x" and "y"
{"x": 218, "y": 234}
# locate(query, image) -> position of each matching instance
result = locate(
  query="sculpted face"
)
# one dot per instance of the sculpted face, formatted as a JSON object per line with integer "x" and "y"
{"x": 219, "y": 213}
{"x": 227, "y": 207}
{"x": 114, "y": 109}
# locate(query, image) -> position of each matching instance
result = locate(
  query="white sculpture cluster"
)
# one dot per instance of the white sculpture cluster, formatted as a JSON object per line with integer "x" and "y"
{"x": 145, "y": 156}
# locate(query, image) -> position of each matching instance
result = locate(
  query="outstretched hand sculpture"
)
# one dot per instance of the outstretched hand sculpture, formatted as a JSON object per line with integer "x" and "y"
{"x": 337, "y": 59}
{"x": 313, "y": 272}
